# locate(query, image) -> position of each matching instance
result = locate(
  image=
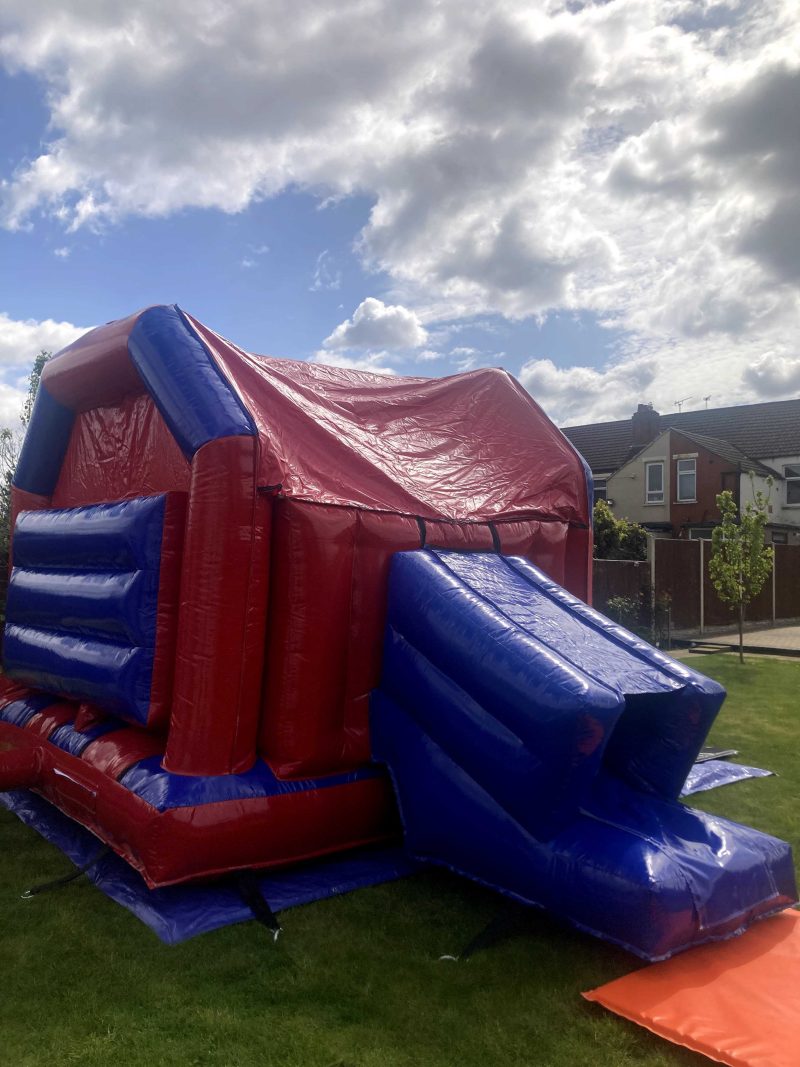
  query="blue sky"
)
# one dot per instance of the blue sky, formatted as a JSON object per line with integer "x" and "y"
{"x": 597, "y": 197}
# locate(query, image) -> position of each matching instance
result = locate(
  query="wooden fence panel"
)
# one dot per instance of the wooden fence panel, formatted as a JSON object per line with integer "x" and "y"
{"x": 787, "y": 581}
{"x": 677, "y": 575}
{"x": 619, "y": 577}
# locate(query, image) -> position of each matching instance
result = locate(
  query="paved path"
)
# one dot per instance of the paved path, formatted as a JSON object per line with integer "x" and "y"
{"x": 784, "y": 639}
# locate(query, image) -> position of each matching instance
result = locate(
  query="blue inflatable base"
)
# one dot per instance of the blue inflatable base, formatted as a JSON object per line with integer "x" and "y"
{"x": 177, "y": 913}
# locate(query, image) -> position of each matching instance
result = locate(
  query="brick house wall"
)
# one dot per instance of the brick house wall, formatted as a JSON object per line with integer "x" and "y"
{"x": 712, "y": 474}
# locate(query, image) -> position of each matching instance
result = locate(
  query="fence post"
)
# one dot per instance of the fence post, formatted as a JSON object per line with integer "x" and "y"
{"x": 774, "y": 568}
{"x": 702, "y": 586}
{"x": 651, "y": 559}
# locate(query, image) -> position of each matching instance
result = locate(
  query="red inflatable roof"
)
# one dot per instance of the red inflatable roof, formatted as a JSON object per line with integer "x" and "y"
{"x": 471, "y": 446}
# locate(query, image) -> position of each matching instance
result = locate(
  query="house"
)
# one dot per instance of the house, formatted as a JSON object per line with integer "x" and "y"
{"x": 665, "y": 471}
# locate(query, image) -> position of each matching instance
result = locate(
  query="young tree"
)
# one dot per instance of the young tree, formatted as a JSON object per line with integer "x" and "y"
{"x": 740, "y": 561}
{"x": 10, "y": 445}
{"x": 34, "y": 378}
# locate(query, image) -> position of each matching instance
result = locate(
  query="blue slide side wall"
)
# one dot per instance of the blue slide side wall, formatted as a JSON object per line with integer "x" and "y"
{"x": 463, "y": 641}
{"x": 538, "y": 748}
{"x": 198, "y": 404}
{"x": 45, "y": 445}
{"x": 82, "y": 603}
{"x": 668, "y": 708}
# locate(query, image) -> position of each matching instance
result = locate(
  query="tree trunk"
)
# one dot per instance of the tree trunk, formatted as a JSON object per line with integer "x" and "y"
{"x": 741, "y": 633}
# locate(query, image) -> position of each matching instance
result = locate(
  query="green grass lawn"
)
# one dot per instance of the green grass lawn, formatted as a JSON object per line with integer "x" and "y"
{"x": 356, "y": 980}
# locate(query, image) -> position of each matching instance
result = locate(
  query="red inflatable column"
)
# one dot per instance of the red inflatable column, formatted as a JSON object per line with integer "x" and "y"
{"x": 221, "y": 616}
{"x": 578, "y": 563}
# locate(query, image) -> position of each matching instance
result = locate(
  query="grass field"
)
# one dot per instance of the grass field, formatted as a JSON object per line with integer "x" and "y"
{"x": 355, "y": 980}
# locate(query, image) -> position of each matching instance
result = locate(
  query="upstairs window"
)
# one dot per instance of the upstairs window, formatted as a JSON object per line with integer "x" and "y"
{"x": 687, "y": 480}
{"x": 792, "y": 476}
{"x": 600, "y": 489}
{"x": 654, "y": 483}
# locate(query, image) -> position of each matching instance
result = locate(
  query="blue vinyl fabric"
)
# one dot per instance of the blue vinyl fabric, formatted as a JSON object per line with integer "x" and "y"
{"x": 177, "y": 913}
{"x": 715, "y": 772}
{"x": 45, "y": 445}
{"x": 164, "y": 790}
{"x": 196, "y": 401}
{"x": 20, "y": 712}
{"x": 68, "y": 739}
{"x": 540, "y": 749}
{"x": 82, "y": 603}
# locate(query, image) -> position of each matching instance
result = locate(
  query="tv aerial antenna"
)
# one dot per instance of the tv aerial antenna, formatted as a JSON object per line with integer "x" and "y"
{"x": 679, "y": 403}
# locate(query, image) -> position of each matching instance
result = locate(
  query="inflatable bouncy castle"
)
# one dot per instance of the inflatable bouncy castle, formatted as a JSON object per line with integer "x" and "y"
{"x": 261, "y": 611}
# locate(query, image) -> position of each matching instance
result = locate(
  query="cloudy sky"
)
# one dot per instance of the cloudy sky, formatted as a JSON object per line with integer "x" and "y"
{"x": 601, "y": 197}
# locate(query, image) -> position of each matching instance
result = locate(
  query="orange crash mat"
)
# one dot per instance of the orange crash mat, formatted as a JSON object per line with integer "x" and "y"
{"x": 737, "y": 1002}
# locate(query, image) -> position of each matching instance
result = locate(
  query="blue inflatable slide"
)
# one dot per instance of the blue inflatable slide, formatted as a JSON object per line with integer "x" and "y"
{"x": 540, "y": 749}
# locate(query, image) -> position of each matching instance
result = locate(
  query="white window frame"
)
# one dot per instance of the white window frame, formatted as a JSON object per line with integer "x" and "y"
{"x": 653, "y": 496}
{"x": 687, "y": 463}
{"x": 792, "y": 480}
{"x": 600, "y": 487}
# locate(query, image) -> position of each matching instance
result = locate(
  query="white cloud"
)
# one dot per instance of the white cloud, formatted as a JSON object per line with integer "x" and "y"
{"x": 374, "y": 362}
{"x": 20, "y": 343}
{"x": 254, "y": 254}
{"x": 326, "y": 273}
{"x": 774, "y": 376}
{"x": 22, "y": 340}
{"x": 466, "y": 358}
{"x": 378, "y": 325}
{"x": 637, "y": 159}
{"x": 571, "y": 393}
{"x": 11, "y": 401}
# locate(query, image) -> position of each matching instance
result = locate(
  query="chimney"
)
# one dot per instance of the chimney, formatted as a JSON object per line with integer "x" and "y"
{"x": 645, "y": 425}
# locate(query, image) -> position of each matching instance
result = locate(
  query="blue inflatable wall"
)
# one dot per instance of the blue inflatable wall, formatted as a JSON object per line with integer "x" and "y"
{"x": 82, "y": 603}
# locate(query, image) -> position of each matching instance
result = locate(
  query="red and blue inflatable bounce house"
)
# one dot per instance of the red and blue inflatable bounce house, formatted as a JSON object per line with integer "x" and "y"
{"x": 201, "y": 621}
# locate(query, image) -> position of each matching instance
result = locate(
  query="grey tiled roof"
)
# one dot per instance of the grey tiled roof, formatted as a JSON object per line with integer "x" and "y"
{"x": 757, "y": 430}
{"x": 731, "y": 453}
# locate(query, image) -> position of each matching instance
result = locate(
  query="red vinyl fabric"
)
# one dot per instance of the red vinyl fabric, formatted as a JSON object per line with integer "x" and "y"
{"x": 470, "y": 447}
{"x": 186, "y": 841}
{"x": 167, "y": 611}
{"x": 120, "y": 451}
{"x": 97, "y": 371}
{"x": 20, "y": 760}
{"x": 733, "y": 1001}
{"x": 223, "y": 613}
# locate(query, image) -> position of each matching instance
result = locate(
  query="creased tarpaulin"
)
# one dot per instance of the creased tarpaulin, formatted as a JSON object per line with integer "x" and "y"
{"x": 737, "y": 1002}
{"x": 467, "y": 447}
{"x": 177, "y": 913}
{"x": 711, "y": 773}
